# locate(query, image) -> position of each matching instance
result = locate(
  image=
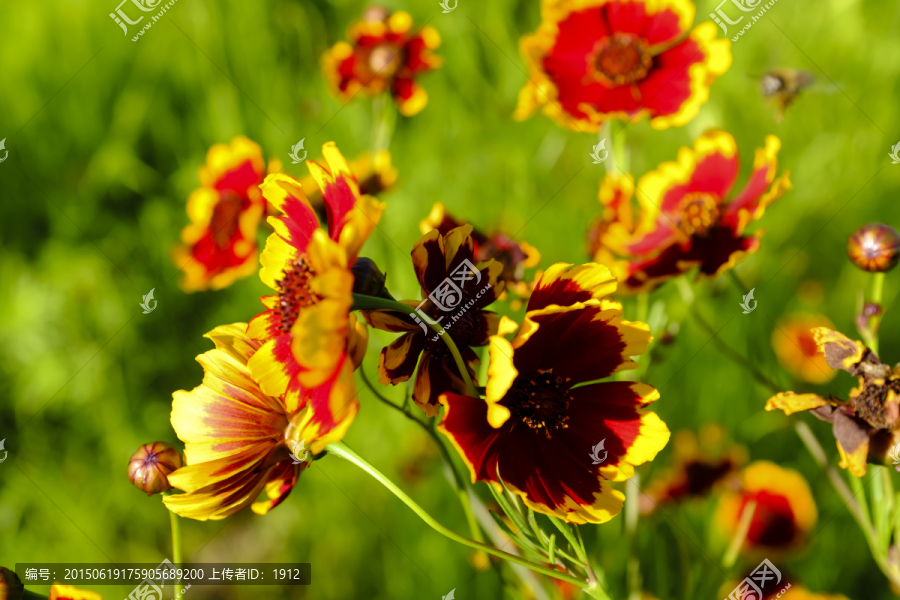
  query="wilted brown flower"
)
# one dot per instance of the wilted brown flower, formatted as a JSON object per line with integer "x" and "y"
{"x": 874, "y": 247}
{"x": 151, "y": 465}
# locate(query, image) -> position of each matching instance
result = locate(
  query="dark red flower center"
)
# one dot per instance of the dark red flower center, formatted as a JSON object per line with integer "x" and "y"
{"x": 541, "y": 401}
{"x": 224, "y": 220}
{"x": 699, "y": 212}
{"x": 773, "y": 521}
{"x": 621, "y": 59}
{"x": 295, "y": 292}
{"x": 808, "y": 344}
{"x": 385, "y": 59}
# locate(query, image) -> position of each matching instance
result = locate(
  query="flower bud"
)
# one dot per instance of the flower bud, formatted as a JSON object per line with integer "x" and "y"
{"x": 874, "y": 247}
{"x": 11, "y": 587}
{"x": 368, "y": 279}
{"x": 150, "y": 466}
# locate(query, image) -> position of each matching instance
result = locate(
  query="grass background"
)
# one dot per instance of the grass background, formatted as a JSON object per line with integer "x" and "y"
{"x": 105, "y": 137}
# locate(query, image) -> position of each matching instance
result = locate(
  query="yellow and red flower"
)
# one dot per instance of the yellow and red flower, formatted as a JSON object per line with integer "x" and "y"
{"x": 685, "y": 220}
{"x": 546, "y": 412}
{"x": 795, "y": 346}
{"x": 384, "y": 54}
{"x": 219, "y": 246}
{"x": 59, "y": 591}
{"x": 456, "y": 290}
{"x": 595, "y": 60}
{"x": 785, "y": 511}
{"x": 374, "y": 173}
{"x": 514, "y": 256}
{"x": 307, "y": 332}
{"x": 866, "y": 426}
{"x": 239, "y": 440}
{"x": 701, "y": 464}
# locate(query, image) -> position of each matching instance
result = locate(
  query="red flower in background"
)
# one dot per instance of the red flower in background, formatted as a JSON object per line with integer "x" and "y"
{"x": 685, "y": 220}
{"x": 219, "y": 246}
{"x": 594, "y": 60}
{"x": 383, "y": 55}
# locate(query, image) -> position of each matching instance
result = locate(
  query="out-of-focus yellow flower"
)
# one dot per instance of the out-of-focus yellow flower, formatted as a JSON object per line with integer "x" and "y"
{"x": 795, "y": 346}
{"x": 219, "y": 246}
{"x": 785, "y": 510}
{"x": 385, "y": 54}
{"x": 700, "y": 464}
{"x": 59, "y": 591}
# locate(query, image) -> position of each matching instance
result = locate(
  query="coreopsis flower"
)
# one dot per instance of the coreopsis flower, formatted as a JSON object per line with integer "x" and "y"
{"x": 374, "y": 173}
{"x": 867, "y": 425}
{"x": 549, "y": 429}
{"x": 685, "y": 219}
{"x": 456, "y": 291}
{"x": 239, "y": 440}
{"x": 595, "y": 60}
{"x": 514, "y": 256}
{"x": 59, "y": 591}
{"x": 785, "y": 511}
{"x": 219, "y": 246}
{"x": 384, "y": 55}
{"x": 874, "y": 247}
{"x": 795, "y": 346}
{"x": 699, "y": 466}
{"x": 306, "y": 330}
{"x": 150, "y": 466}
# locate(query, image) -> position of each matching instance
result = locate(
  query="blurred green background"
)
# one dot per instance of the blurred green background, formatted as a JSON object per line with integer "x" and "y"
{"x": 105, "y": 137}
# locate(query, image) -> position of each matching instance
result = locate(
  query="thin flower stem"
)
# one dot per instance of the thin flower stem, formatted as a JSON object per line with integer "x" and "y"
{"x": 737, "y": 542}
{"x": 363, "y": 302}
{"x": 341, "y": 450}
{"x": 877, "y": 293}
{"x": 176, "y": 547}
{"x": 735, "y": 356}
{"x": 633, "y": 573}
{"x": 815, "y": 449}
{"x": 606, "y": 133}
{"x": 459, "y": 482}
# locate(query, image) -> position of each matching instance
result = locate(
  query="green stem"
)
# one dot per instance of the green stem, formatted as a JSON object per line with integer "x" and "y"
{"x": 460, "y": 485}
{"x": 606, "y": 133}
{"x": 740, "y": 535}
{"x": 363, "y": 302}
{"x": 176, "y": 548}
{"x": 740, "y": 284}
{"x": 381, "y": 124}
{"x": 875, "y": 322}
{"x": 815, "y": 449}
{"x": 633, "y": 572}
{"x": 341, "y": 450}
